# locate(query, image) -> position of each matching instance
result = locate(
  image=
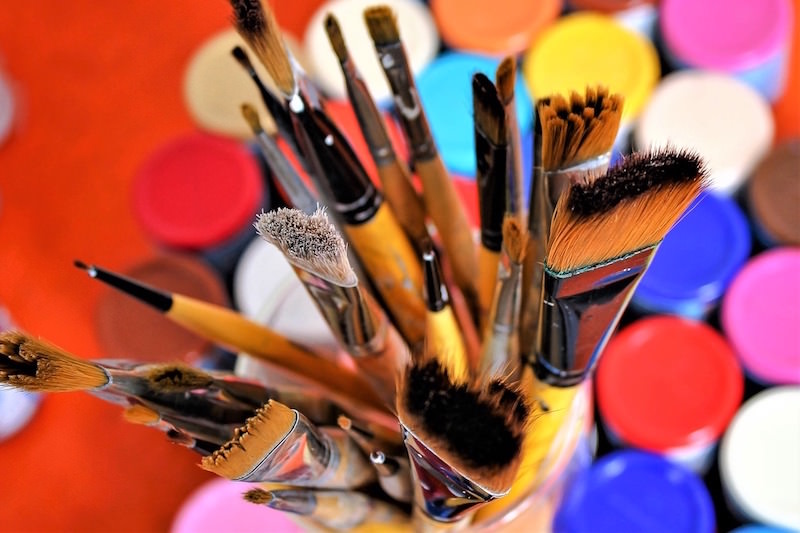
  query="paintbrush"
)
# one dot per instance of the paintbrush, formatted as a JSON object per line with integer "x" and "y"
{"x": 443, "y": 339}
{"x": 500, "y": 353}
{"x": 280, "y": 445}
{"x": 463, "y": 439}
{"x": 393, "y": 173}
{"x": 441, "y": 201}
{"x": 505, "y": 78}
{"x": 228, "y": 328}
{"x": 388, "y": 458}
{"x": 142, "y": 415}
{"x": 370, "y": 226}
{"x": 332, "y": 509}
{"x": 491, "y": 151}
{"x": 573, "y": 144}
{"x": 294, "y": 189}
{"x": 318, "y": 254}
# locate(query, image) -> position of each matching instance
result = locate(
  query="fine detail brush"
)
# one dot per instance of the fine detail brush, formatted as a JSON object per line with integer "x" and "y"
{"x": 573, "y": 145}
{"x": 500, "y": 353}
{"x": 142, "y": 415}
{"x": 393, "y": 173}
{"x": 491, "y": 151}
{"x": 318, "y": 254}
{"x": 280, "y": 445}
{"x": 505, "y": 79}
{"x": 332, "y": 509}
{"x": 345, "y": 187}
{"x": 464, "y": 441}
{"x": 441, "y": 201}
{"x": 229, "y": 328}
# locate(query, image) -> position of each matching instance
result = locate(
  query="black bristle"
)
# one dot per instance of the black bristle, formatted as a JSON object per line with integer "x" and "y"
{"x": 637, "y": 174}
{"x": 248, "y": 16}
{"x": 510, "y": 400}
{"x": 475, "y": 430}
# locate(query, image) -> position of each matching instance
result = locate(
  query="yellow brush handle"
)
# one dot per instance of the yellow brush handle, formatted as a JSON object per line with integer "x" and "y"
{"x": 231, "y": 329}
{"x": 404, "y": 201}
{"x": 395, "y": 270}
{"x": 444, "y": 342}
{"x": 488, "y": 262}
{"x": 444, "y": 206}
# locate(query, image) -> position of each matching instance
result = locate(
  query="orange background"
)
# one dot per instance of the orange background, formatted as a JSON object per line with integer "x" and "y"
{"x": 99, "y": 88}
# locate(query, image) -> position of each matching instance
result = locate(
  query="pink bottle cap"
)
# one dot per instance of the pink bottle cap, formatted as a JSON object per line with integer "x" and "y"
{"x": 761, "y": 316}
{"x": 219, "y": 506}
{"x": 198, "y": 191}
{"x": 730, "y": 35}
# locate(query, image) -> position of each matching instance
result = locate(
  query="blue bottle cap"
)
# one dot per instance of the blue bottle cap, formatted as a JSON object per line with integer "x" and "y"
{"x": 635, "y": 491}
{"x": 759, "y": 528}
{"x": 445, "y": 88}
{"x": 697, "y": 260}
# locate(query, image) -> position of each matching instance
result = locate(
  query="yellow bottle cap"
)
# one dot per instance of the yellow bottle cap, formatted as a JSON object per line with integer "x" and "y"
{"x": 592, "y": 49}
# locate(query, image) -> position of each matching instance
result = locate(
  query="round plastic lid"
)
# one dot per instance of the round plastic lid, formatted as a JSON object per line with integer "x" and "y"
{"x": 697, "y": 259}
{"x": 773, "y": 193}
{"x": 197, "y": 191}
{"x": 6, "y": 109}
{"x": 129, "y": 329}
{"x": 692, "y": 109}
{"x": 665, "y": 382}
{"x": 417, "y": 32}
{"x": 17, "y": 407}
{"x": 635, "y": 491}
{"x": 480, "y": 26}
{"x": 761, "y": 314}
{"x": 759, "y": 463}
{"x": 445, "y": 88}
{"x": 725, "y": 34}
{"x": 592, "y": 49}
{"x": 218, "y": 505}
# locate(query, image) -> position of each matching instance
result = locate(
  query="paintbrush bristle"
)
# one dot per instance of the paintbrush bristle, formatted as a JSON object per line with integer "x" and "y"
{"x": 578, "y": 129}
{"x": 505, "y": 78}
{"x": 335, "y": 36}
{"x": 381, "y": 25}
{"x": 35, "y": 365}
{"x": 250, "y": 444}
{"x": 490, "y": 115}
{"x": 344, "y": 422}
{"x": 139, "y": 414}
{"x": 515, "y": 239}
{"x": 243, "y": 59}
{"x": 310, "y": 242}
{"x": 477, "y": 430}
{"x": 256, "y": 24}
{"x": 630, "y": 208}
{"x": 177, "y": 378}
{"x": 251, "y": 116}
{"x": 258, "y": 496}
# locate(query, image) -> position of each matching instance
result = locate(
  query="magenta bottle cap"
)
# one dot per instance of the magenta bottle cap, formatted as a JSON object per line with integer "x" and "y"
{"x": 761, "y": 316}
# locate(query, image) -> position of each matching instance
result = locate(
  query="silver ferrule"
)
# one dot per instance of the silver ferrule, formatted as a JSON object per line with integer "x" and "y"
{"x": 394, "y": 475}
{"x": 580, "y": 311}
{"x": 345, "y": 309}
{"x": 368, "y": 116}
{"x": 500, "y": 357}
{"x": 406, "y": 100}
{"x": 582, "y": 173}
{"x": 440, "y": 491}
{"x": 298, "y": 194}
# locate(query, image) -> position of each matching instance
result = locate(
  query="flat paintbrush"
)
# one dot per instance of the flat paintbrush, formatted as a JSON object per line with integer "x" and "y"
{"x": 505, "y": 79}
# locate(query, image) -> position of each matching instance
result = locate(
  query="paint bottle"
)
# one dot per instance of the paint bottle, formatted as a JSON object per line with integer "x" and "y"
{"x": 759, "y": 463}
{"x": 773, "y": 196}
{"x": 669, "y": 386}
{"x": 697, "y": 260}
{"x": 640, "y": 16}
{"x": 761, "y": 313}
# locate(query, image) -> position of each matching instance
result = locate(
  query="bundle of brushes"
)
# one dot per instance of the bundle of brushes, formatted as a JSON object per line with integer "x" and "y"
{"x": 459, "y": 360}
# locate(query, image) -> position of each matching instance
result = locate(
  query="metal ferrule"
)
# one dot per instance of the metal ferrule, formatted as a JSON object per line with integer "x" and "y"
{"x": 579, "y": 312}
{"x": 406, "y": 100}
{"x": 297, "y": 501}
{"x": 368, "y": 116}
{"x": 304, "y": 457}
{"x": 394, "y": 475}
{"x": 296, "y": 191}
{"x": 501, "y": 354}
{"x": 585, "y": 172}
{"x": 345, "y": 309}
{"x": 441, "y": 492}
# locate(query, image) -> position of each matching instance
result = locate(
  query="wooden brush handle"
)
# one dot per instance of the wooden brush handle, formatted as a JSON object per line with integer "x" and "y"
{"x": 443, "y": 342}
{"x": 447, "y": 212}
{"x": 404, "y": 201}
